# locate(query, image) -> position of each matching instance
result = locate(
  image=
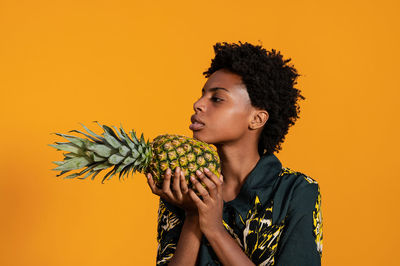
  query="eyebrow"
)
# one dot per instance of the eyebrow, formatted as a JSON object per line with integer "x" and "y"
{"x": 215, "y": 89}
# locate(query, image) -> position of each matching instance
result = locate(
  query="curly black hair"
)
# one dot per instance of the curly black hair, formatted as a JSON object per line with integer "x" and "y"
{"x": 269, "y": 81}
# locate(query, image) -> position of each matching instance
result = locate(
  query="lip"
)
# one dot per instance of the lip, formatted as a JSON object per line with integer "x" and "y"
{"x": 197, "y": 124}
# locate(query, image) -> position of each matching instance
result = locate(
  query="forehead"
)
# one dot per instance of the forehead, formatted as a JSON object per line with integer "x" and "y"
{"x": 224, "y": 79}
{"x": 231, "y": 83}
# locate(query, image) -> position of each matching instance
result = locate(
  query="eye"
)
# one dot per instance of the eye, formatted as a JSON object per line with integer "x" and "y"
{"x": 216, "y": 99}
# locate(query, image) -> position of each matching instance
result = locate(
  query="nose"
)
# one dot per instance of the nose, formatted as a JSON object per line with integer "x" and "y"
{"x": 198, "y": 105}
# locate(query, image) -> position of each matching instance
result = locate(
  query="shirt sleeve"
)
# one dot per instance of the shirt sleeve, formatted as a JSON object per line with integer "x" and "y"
{"x": 301, "y": 240}
{"x": 169, "y": 227}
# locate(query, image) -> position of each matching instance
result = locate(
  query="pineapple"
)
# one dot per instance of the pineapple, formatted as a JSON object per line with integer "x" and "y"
{"x": 128, "y": 155}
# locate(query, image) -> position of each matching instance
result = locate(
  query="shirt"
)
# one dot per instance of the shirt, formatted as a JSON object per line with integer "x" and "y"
{"x": 276, "y": 219}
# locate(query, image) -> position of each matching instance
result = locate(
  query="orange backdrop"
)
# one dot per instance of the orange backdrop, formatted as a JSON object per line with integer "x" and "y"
{"x": 139, "y": 63}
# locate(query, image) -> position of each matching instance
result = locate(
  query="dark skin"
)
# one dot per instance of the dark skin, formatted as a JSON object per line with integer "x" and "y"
{"x": 233, "y": 125}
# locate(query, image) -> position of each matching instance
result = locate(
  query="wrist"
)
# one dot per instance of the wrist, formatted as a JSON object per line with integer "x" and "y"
{"x": 215, "y": 233}
{"x": 191, "y": 214}
{"x": 192, "y": 222}
{"x": 192, "y": 217}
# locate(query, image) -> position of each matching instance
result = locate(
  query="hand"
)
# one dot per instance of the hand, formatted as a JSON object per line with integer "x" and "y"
{"x": 179, "y": 195}
{"x": 211, "y": 205}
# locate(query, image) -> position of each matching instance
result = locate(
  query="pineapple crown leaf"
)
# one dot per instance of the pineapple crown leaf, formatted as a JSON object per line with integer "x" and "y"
{"x": 74, "y": 163}
{"x": 115, "y": 159}
{"x": 125, "y": 170}
{"x": 88, "y": 136}
{"x": 111, "y": 139}
{"x": 134, "y": 139}
{"x": 66, "y": 147}
{"x": 91, "y": 132}
{"x": 75, "y": 140}
{"x": 99, "y": 152}
{"x": 110, "y": 174}
{"x": 62, "y": 172}
{"x": 119, "y": 135}
{"x": 100, "y": 149}
{"x": 84, "y": 171}
{"x": 130, "y": 143}
{"x": 95, "y": 173}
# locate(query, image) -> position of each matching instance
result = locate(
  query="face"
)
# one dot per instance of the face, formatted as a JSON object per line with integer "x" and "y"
{"x": 223, "y": 111}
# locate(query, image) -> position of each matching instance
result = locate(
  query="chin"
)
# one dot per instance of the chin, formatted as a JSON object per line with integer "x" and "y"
{"x": 198, "y": 135}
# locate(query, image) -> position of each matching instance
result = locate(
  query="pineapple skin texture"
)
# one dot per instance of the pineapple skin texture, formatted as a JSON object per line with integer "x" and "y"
{"x": 171, "y": 151}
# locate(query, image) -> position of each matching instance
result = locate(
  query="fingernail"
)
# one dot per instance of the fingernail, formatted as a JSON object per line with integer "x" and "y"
{"x": 168, "y": 171}
{"x": 198, "y": 172}
{"x": 192, "y": 178}
{"x": 206, "y": 169}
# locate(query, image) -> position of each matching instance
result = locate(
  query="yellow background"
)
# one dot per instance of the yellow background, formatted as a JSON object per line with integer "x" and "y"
{"x": 139, "y": 63}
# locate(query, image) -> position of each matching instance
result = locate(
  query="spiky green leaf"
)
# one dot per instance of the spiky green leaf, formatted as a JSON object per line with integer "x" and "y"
{"x": 115, "y": 159}
{"x": 88, "y": 174}
{"x": 75, "y": 140}
{"x": 142, "y": 139}
{"x": 63, "y": 172}
{"x": 88, "y": 136}
{"x": 96, "y": 173}
{"x": 102, "y": 166}
{"x": 111, "y": 132}
{"x": 121, "y": 167}
{"x": 128, "y": 160}
{"x": 67, "y": 147}
{"x": 119, "y": 135}
{"x": 100, "y": 149}
{"x": 85, "y": 170}
{"x": 123, "y": 150}
{"x": 128, "y": 140}
{"x": 71, "y": 155}
{"x": 109, "y": 173}
{"x": 98, "y": 158}
{"x": 71, "y": 176}
{"x": 74, "y": 163}
{"x": 137, "y": 162}
{"x": 134, "y": 139}
{"x": 135, "y": 154}
{"x": 91, "y": 132}
{"x": 111, "y": 140}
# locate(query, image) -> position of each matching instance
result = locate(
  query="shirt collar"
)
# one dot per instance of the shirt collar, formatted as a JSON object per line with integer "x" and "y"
{"x": 259, "y": 182}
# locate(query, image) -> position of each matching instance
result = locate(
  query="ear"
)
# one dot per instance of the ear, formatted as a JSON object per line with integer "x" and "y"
{"x": 258, "y": 119}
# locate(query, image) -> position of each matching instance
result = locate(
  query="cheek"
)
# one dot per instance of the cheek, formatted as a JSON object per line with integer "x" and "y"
{"x": 229, "y": 124}
{"x": 230, "y": 116}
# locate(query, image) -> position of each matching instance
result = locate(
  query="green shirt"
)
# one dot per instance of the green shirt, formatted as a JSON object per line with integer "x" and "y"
{"x": 276, "y": 219}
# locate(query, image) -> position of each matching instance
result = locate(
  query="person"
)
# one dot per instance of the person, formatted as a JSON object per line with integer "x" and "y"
{"x": 257, "y": 212}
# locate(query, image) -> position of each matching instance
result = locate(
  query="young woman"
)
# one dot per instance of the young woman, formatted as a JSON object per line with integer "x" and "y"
{"x": 257, "y": 212}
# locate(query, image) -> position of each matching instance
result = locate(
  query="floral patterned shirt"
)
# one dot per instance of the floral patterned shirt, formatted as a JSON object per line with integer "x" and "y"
{"x": 276, "y": 219}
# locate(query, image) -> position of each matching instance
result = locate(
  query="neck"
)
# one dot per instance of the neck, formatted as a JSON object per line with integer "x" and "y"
{"x": 237, "y": 161}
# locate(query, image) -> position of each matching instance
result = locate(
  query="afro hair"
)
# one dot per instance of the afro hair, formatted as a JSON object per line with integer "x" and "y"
{"x": 269, "y": 81}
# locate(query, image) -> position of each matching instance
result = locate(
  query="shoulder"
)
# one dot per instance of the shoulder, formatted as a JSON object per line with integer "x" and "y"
{"x": 304, "y": 190}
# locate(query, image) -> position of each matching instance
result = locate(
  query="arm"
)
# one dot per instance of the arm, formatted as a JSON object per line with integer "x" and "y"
{"x": 301, "y": 241}
{"x": 210, "y": 219}
{"x": 178, "y": 237}
{"x": 227, "y": 249}
{"x": 189, "y": 242}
